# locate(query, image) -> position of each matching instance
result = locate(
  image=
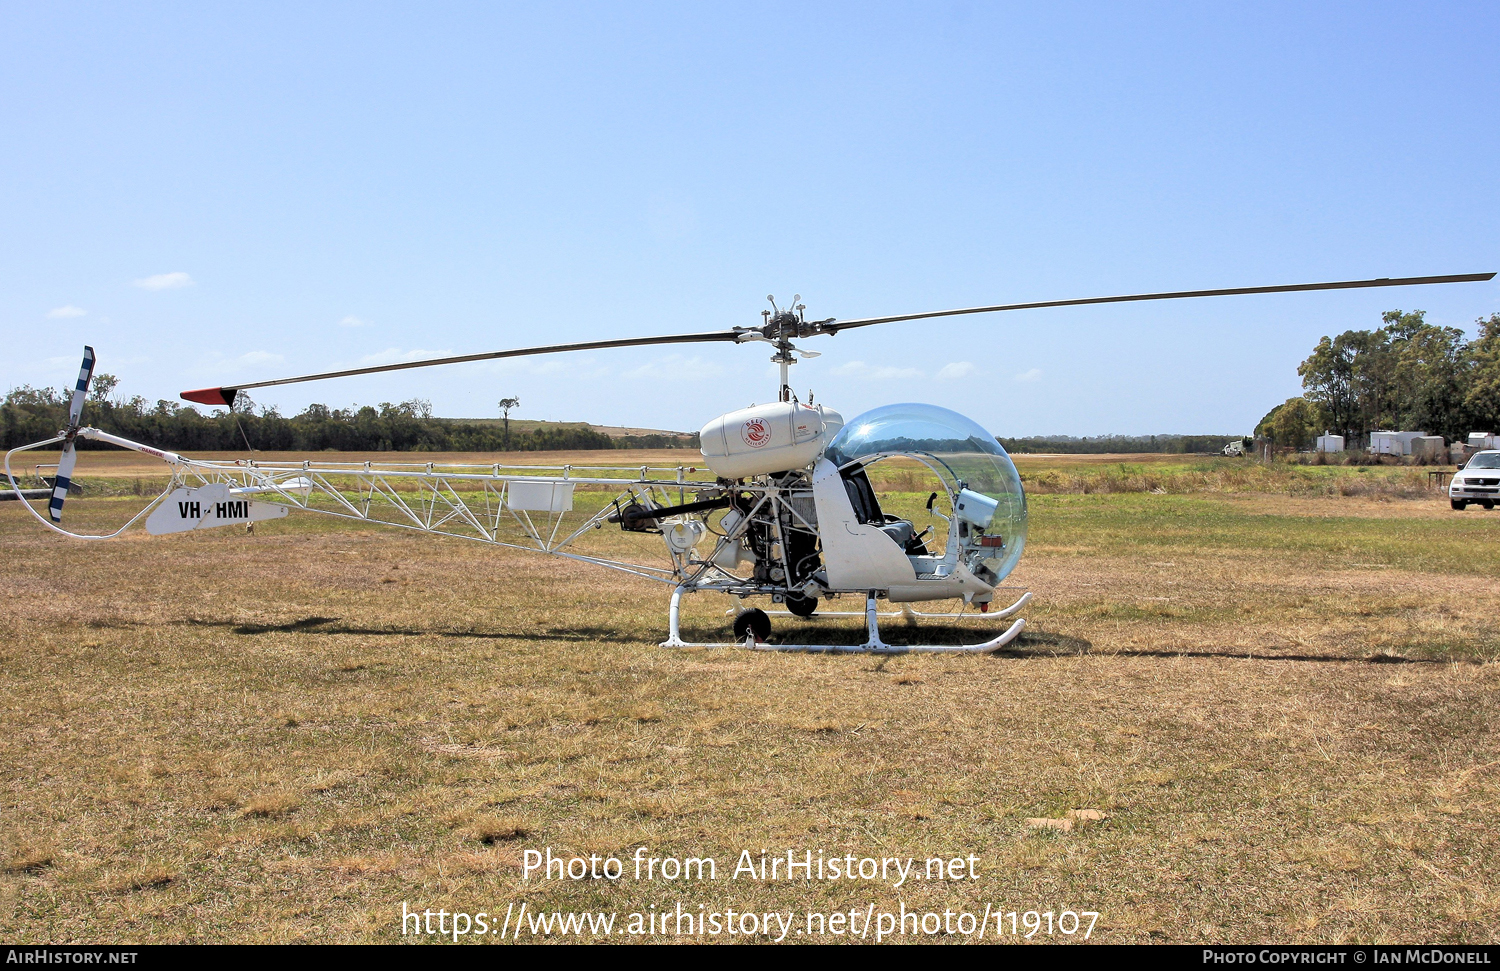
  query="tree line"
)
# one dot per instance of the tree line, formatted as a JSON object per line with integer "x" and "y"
{"x": 1407, "y": 375}
{"x": 1104, "y": 444}
{"x": 33, "y": 414}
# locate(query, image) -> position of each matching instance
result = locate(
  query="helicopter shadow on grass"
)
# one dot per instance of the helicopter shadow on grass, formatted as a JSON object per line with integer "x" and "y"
{"x": 1062, "y": 640}
{"x": 1235, "y": 654}
{"x": 334, "y": 626}
{"x": 1033, "y": 643}
{"x": 899, "y": 634}
{"x": 1029, "y": 644}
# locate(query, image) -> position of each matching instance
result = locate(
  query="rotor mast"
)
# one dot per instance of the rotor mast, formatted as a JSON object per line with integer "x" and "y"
{"x": 779, "y": 329}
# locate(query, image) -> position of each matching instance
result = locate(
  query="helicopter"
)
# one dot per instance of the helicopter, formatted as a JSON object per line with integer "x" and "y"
{"x": 783, "y": 507}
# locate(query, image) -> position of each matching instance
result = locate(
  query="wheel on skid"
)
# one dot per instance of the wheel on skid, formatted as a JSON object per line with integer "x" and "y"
{"x": 1459, "y": 504}
{"x": 753, "y": 621}
{"x": 801, "y": 606}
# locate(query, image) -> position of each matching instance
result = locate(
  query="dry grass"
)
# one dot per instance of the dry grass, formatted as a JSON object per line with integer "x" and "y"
{"x": 491, "y": 829}
{"x": 1234, "y": 476}
{"x": 1283, "y": 710}
{"x": 1162, "y": 474}
{"x": 29, "y": 860}
{"x": 272, "y": 804}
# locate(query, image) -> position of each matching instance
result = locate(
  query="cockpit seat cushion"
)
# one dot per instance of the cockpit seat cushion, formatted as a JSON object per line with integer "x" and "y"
{"x": 901, "y": 531}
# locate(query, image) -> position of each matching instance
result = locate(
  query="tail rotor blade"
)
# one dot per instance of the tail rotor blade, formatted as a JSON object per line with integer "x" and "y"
{"x": 63, "y": 481}
{"x": 81, "y": 391}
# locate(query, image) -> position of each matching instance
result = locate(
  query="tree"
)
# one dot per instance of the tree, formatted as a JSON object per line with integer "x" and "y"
{"x": 506, "y": 404}
{"x": 1408, "y": 374}
{"x": 103, "y": 386}
{"x": 1482, "y": 396}
{"x": 1292, "y": 424}
{"x": 1432, "y": 370}
{"x": 1329, "y": 379}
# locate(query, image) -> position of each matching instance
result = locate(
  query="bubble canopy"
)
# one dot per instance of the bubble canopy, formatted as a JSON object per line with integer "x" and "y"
{"x": 958, "y": 449}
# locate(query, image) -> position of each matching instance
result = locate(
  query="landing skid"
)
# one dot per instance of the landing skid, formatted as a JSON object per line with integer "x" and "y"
{"x": 873, "y": 643}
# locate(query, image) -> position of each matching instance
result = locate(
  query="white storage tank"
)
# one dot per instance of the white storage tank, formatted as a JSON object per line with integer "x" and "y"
{"x": 1330, "y": 443}
{"x": 767, "y": 438}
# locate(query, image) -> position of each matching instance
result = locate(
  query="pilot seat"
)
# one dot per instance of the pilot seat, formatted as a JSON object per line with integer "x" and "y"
{"x": 867, "y": 511}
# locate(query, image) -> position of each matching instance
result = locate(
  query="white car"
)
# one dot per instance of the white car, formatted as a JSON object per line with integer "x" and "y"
{"x": 1478, "y": 481}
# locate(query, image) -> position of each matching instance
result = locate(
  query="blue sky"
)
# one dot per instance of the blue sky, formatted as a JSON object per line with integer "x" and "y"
{"x": 211, "y": 193}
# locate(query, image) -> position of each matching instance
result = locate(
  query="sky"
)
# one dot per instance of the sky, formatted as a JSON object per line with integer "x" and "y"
{"x": 215, "y": 193}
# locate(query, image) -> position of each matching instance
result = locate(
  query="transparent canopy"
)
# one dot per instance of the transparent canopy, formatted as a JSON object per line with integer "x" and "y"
{"x": 958, "y": 449}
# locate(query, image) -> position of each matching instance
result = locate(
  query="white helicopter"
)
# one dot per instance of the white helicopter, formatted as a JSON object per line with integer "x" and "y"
{"x": 784, "y": 507}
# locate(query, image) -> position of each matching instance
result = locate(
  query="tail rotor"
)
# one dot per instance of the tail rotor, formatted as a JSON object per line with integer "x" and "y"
{"x": 69, "y": 457}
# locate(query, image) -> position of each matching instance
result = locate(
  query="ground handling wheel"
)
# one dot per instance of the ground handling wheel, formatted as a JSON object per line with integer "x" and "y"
{"x": 1459, "y": 504}
{"x": 753, "y": 621}
{"x": 801, "y": 606}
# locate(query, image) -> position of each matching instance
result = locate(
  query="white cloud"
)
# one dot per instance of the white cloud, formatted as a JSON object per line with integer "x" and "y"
{"x": 870, "y": 372}
{"x": 165, "y": 281}
{"x": 569, "y": 366}
{"x": 956, "y": 371}
{"x": 71, "y": 361}
{"x": 353, "y": 321}
{"x": 67, "y": 311}
{"x": 395, "y": 355}
{"x": 1035, "y": 374}
{"x": 559, "y": 365}
{"x": 676, "y": 367}
{"x": 218, "y": 364}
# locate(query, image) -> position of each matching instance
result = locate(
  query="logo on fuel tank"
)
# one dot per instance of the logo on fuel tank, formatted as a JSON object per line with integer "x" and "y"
{"x": 756, "y": 433}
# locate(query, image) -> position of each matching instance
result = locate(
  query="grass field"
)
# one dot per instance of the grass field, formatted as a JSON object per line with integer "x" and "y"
{"x": 1282, "y": 700}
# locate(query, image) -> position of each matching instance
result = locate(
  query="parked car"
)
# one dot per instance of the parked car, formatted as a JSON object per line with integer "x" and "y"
{"x": 1478, "y": 481}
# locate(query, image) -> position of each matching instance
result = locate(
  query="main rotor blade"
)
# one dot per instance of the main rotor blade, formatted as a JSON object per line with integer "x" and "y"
{"x": 1175, "y": 295}
{"x": 225, "y": 395}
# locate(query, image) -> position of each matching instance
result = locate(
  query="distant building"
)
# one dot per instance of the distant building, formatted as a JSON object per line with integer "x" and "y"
{"x": 1393, "y": 443}
{"x": 1330, "y": 443}
{"x": 1429, "y": 448}
{"x": 1482, "y": 440}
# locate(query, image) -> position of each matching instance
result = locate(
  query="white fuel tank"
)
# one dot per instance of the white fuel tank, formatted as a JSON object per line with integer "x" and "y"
{"x": 767, "y": 438}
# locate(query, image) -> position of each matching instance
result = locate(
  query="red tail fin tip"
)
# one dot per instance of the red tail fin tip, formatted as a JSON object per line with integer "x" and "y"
{"x": 211, "y": 396}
